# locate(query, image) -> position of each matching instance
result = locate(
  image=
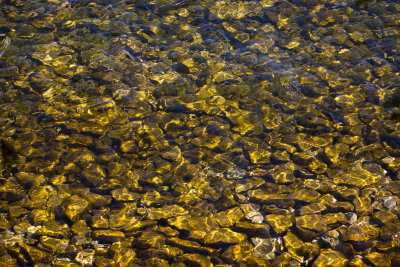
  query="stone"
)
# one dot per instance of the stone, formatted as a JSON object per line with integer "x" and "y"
{"x": 74, "y": 206}
{"x": 189, "y": 246}
{"x": 229, "y": 217}
{"x": 224, "y": 236}
{"x": 329, "y": 257}
{"x": 251, "y": 229}
{"x": 379, "y": 259}
{"x": 266, "y": 247}
{"x": 280, "y": 223}
{"x": 361, "y": 233}
{"x": 199, "y": 227}
{"x": 197, "y": 260}
{"x": 108, "y": 236}
{"x": 238, "y": 253}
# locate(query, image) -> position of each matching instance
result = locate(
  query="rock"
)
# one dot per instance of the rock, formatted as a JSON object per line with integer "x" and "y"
{"x": 235, "y": 173}
{"x": 108, "y": 236}
{"x": 329, "y": 257}
{"x": 229, "y": 217}
{"x": 85, "y": 257}
{"x": 9, "y": 72}
{"x": 361, "y": 233}
{"x": 266, "y": 247}
{"x": 199, "y": 227}
{"x": 254, "y": 230}
{"x": 93, "y": 174}
{"x": 280, "y": 223}
{"x": 167, "y": 212}
{"x": 74, "y": 206}
{"x": 224, "y": 236}
{"x": 238, "y": 253}
{"x": 197, "y": 260}
{"x": 379, "y": 259}
{"x": 189, "y": 246}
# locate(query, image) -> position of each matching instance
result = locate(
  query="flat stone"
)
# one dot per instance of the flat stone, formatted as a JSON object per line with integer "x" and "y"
{"x": 9, "y": 72}
{"x": 151, "y": 239}
{"x": 197, "y": 260}
{"x": 361, "y": 233}
{"x": 238, "y": 253}
{"x": 224, "y": 236}
{"x": 229, "y": 217}
{"x": 330, "y": 257}
{"x": 266, "y": 247}
{"x": 108, "y": 236}
{"x": 74, "y": 206}
{"x": 189, "y": 246}
{"x": 199, "y": 227}
{"x": 280, "y": 223}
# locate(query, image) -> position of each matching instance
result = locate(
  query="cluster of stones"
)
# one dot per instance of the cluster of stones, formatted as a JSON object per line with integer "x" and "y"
{"x": 200, "y": 133}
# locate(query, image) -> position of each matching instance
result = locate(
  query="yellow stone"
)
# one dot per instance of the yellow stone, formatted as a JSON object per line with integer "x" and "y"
{"x": 280, "y": 223}
{"x": 362, "y": 204}
{"x": 379, "y": 259}
{"x": 306, "y": 195}
{"x": 224, "y": 236}
{"x": 166, "y": 211}
{"x": 330, "y": 258}
{"x": 313, "y": 222}
{"x": 360, "y": 233}
{"x": 229, "y": 217}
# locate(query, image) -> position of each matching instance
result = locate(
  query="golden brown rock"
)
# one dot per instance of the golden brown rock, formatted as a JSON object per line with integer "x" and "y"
{"x": 224, "y": 236}
{"x": 280, "y": 223}
{"x": 362, "y": 205}
{"x": 281, "y": 200}
{"x": 110, "y": 236}
{"x": 360, "y": 233}
{"x": 199, "y": 227}
{"x": 74, "y": 206}
{"x": 85, "y": 257}
{"x": 151, "y": 239}
{"x": 329, "y": 257}
{"x": 238, "y": 253}
{"x": 266, "y": 247}
{"x": 189, "y": 246}
{"x": 197, "y": 260}
{"x": 166, "y": 212}
{"x": 229, "y": 217}
{"x": 299, "y": 250}
{"x": 313, "y": 222}
{"x": 379, "y": 259}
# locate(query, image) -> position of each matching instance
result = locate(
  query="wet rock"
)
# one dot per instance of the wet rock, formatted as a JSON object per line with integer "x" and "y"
{"x": 379, "y": 259}
{"x": 251, "y": 229}
{"x": 9, "y": 72}
{"x": 229, "y": 217}
{"x": 167, "y": 212}
{"x": 74, "y": 206}
{"x": 199, "y": 226}
{"x": 266, "y": 247}
{"x": 85, "y": 257}
{"x": 36, "y": 255}
{"x": 328, "y": 256}
{"x": 93, "y": 174}
{"x": 235, "y": 173}
{"x": 224, "y": 236}
{"x": 238, "y": 253}
{"x": 280, "y": 223}
{"x": 361, "y": 233}
{"x": 189, "y": 246}
{"x": 197, "y": 260}
{"x": 109, "y": 236}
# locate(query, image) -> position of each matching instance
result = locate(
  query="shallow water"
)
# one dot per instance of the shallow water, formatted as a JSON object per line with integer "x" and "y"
{"x": 199, "y": 133}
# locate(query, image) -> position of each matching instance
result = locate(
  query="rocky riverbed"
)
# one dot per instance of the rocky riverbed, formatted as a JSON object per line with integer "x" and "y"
{"x": 199, "y": 133}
